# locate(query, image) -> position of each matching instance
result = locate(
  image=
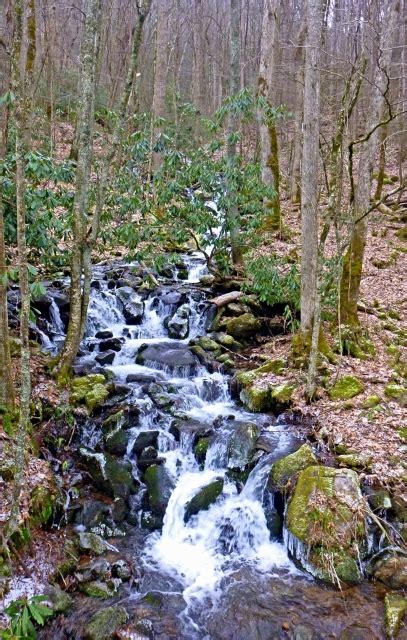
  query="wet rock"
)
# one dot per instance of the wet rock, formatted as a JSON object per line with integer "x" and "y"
{"x": 121, "y": 569}
{"x": 178, "y": 325}
{"x": 390, "y": 567}
{"x": 159, "y": 486}
{"x": 345, "y": 388}
{"x": 111, "y": 344}
{"x": 201, "y": 449}
{"x": 204, "y": 498}
{"x": 286, "y": 468}
{"x": 150, "y": 521}
{"x": 99, "y": 589}
{"x": 244, "y": 326}
{"x": 104, "y": 624}
{"x": 109, "y": 474}
{"x": 60, "y": 600}
{"x": 326, "y": 517}
{"x": 117, "y": 420}
{"x": 116, "y": 442}
{"x": 92, "y": 542}
{"x": 395, "y": 608}
{"x": 172, "y": 298}
{"x": 93, "y": 513}
{"x": 105, "y": 358}
{"x": 97, "y": 568}
{"x": 133, "y": 305}
{"x": 145, "y": 439}
{"x": 167, "y": 355}
{"x": 103, "y": 335}
{"x": 142, "y": 378}
{"x": 242, "y": 445}
{"x": 91, "y": 390}
{"x": 189, "y": 427}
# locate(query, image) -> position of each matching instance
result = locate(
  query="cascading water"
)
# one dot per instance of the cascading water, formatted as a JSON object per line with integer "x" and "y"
{"x": 199, "y": 551}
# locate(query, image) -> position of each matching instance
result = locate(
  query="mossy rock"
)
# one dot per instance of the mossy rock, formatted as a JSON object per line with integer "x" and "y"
{"x": 396, "y": 392}
{"x": 7, "y": 463}
{"x": 42, "y": 503}
{"x": 326, "y": 514}
{"x": 159, "y": 486}
{"x": 355, "y": 460}
{"x": 395, "y": 608}
{"x": 60, "y": 600}
{"x": 201, "y": 449}
{"x": 402, "y": 433}
{"x": 244, "y": 326}
{"x": 207, "y": 344}
{"x": 286, "y": 468}
{"x": 104, "y": 624}
{"x": 281, "y": 395}
{"x": 204, "y": 498}
{"x": 345, "y": 388}
{"x": 225, "y": 340}
{"x": 371, "y": 401}
{"x": 89, "y": 541}
{"x": 90, "y": 390}
{"x": 241, "y": 445}
{"x": 110, "y": 475}
{"x": 114, "y": 421}
{"x": 98, "y": 589}
{"x": 256, "y": 400}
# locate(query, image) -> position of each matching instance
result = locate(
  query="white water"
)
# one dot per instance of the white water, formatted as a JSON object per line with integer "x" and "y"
{"x": 233, "y": 530}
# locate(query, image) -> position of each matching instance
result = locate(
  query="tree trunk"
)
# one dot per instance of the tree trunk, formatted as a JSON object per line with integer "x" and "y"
{"x": 360, "y": 194}
{"x": 23, "y": 62}
{"x": 232, "y": 128}
{"x": 295, "y": 184}
{"x": 267, "y": 81}
{"x": 6, "y": 383}
{"x": 81, "y": 199}
{"x": 159, "y": 111}
{"x": 309, "y": 174}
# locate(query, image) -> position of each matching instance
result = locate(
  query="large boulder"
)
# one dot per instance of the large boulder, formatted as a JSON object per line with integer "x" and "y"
{"x": 133, "y": 305}
{"x": 242, "y": 445}
{"x": 159, "y": 487}
{"x": 244, "y": 326}
{"x": 105, "y": 623}
{"x": 178, "y": 325}
{"x": 202, "y": 500}
{"x": 390, "y": 567}
{"x": 325, "y": 522}
{"x": 110, "y": 475}
{"x": 259, "y": 390}
{"x": 345, "y": 388}
{"x": 90, "y": 390}
{"x": 167, "y": 355}
{"x": 286, "y": 468}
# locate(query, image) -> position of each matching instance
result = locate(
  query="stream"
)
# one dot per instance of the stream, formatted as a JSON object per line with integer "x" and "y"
{"x": 220, "y": 572}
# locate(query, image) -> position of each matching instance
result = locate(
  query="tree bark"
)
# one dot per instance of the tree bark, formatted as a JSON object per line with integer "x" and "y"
{"x": 6, "y": 383}
{"x": 309, "y": 173}
{"x": 81, "y": 199}
{"x": 295, "y": 184}
{"x": 361, "y": 192}
{"x": 232, "y": 128}
{"x": 22, "y": 67}
{"x": 267, "y": 81}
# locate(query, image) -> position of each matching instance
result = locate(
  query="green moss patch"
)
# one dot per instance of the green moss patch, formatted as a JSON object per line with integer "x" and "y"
{"x": 345, "y": 388}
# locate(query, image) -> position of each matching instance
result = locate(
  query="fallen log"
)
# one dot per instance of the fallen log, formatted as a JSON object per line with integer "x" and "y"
{"x": 226, "y": 298}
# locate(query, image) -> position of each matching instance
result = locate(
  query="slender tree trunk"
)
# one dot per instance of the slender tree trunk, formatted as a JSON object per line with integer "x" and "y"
{"x": 361, "y": 192}
{"x": 81, "y": 199}
{"x": 6, "y": 383}
{"x": 310, "y": 155}
{"x": 295, "y": 178}
{"x": 160, "y": 80}
{"x": 23, "y": 63}
{"x": 232, "y": 128}
{"x": 267, "y": 82}
{"x": 382, "y": 162}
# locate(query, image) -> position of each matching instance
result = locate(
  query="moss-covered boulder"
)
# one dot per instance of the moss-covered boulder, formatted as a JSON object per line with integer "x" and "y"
{"x": 104, "y": 624}
{"x": 225, "y": 340}
{"x": 201, "y": 449}
{"x": 90, "y": 390}
{"x": 396, "y": 392}
{"x": 326, "y": 517}
{"x": 93, "y": 543}
{"x": 42, "y": 502}
{"x": 345, "y": 388}
{"x": 389, "y": 566}
{"x": 207, "y": 344}
{"x": 286, "y": 468}
{"x": 242, "y": 445}
{"x": 259, "y": 394}
{"x": 371, "y": 401}
{"x": 355, "y": 460}
{"x": 395, "y": 608}
{"x": 204, "y": 498}
{"x": 244, "y": 326}
{"x": 159, "y": 486}
{"x": 110, "y": 475}
{"x": 60, "y": 600}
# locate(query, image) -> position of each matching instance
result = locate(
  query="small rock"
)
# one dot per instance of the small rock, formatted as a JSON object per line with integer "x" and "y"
{"x": 395, "y": 608}
{"x": 105, "y": 622}
{"x": 345, "y": 388}
{"x": 93, "y": 542}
